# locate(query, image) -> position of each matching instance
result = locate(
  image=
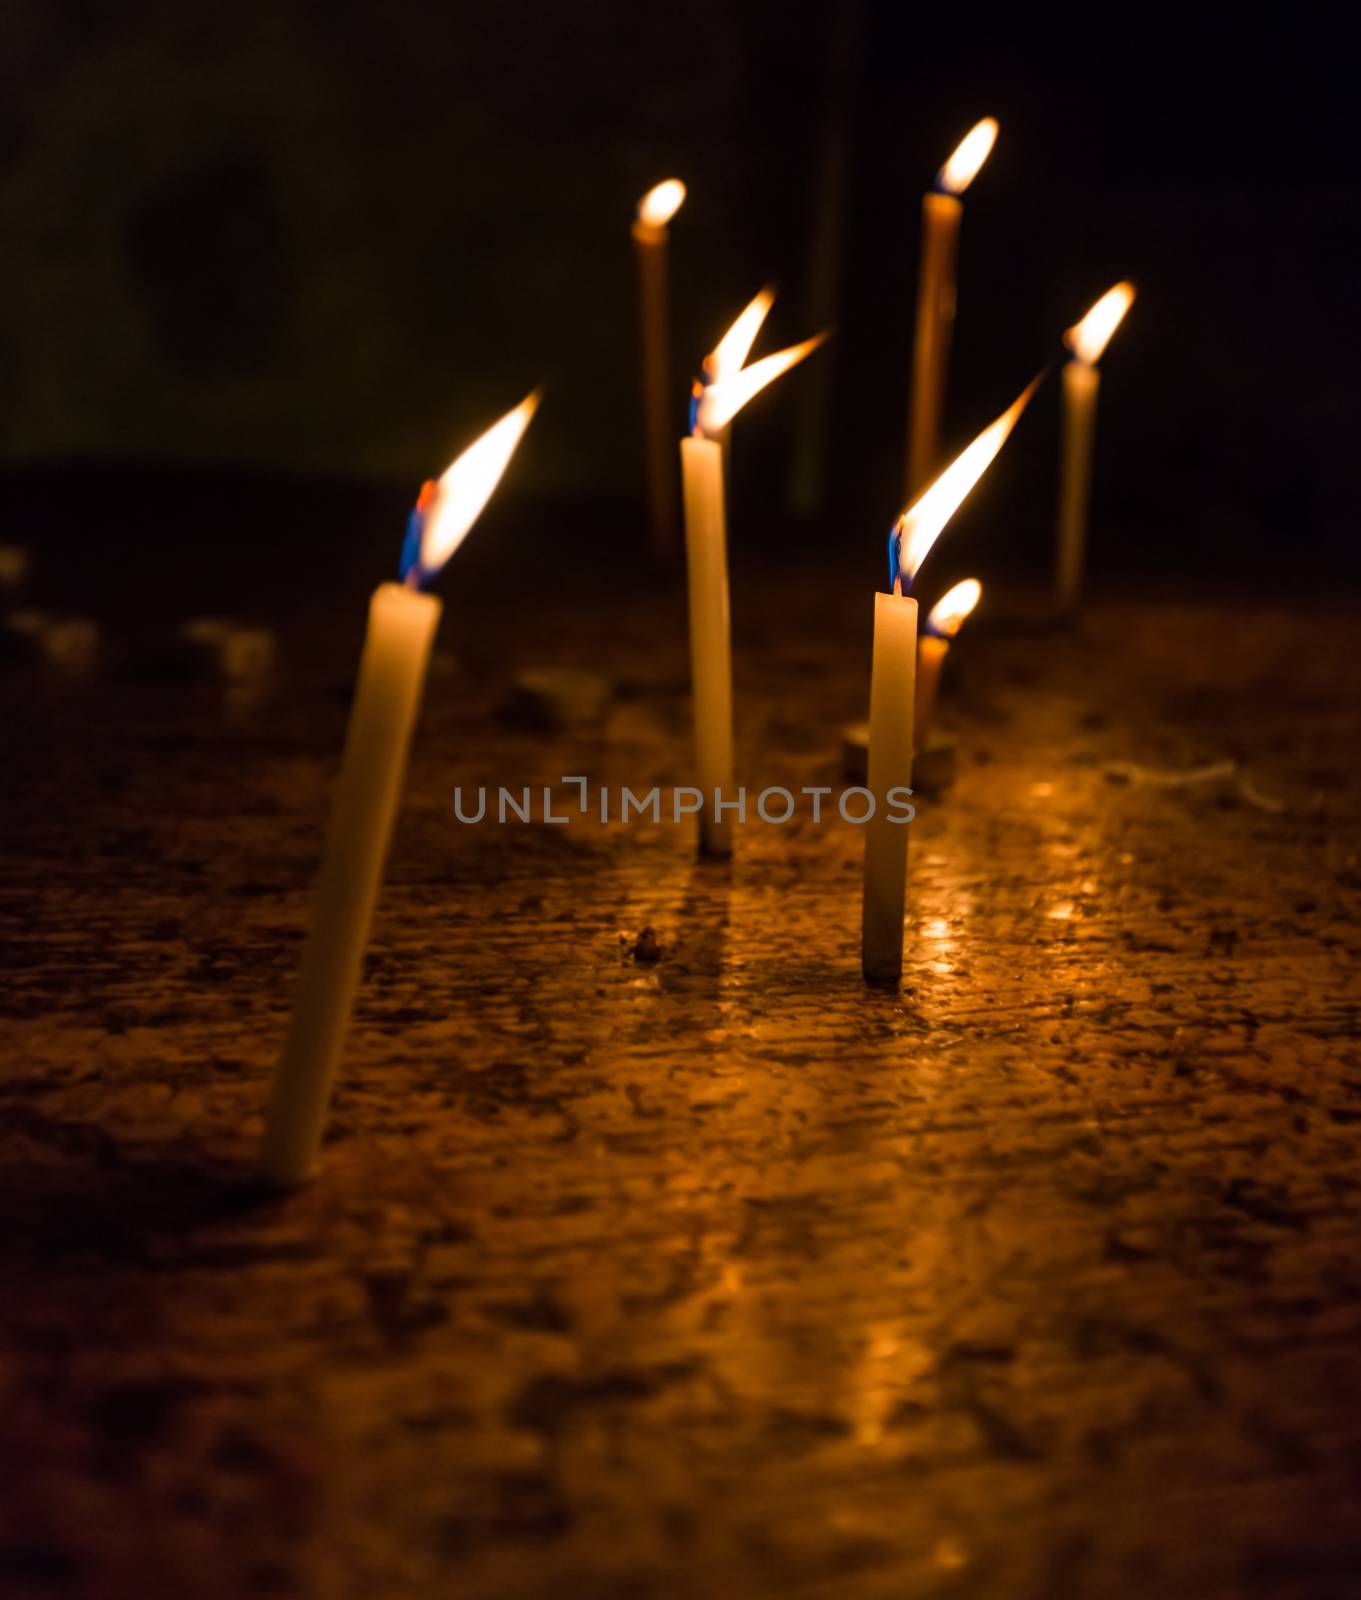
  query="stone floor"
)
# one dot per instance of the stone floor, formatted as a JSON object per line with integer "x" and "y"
{"x": 714, "y": 1274}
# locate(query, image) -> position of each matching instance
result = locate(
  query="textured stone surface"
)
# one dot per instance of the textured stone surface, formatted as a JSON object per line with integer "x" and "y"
{"x": 699, "y": 1270}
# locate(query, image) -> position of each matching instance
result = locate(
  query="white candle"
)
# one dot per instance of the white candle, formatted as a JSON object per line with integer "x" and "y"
{"x": 706, "y": 554}
{"x": 892, "y": 695}
{"x": 892, "y": 681}
{"x": 651, "y": 241}
{"x": 706, "y": 565}
{"x": 402, "y": 623}
{"x": 942, "y": 211}
{"x": 1081, "y": 385}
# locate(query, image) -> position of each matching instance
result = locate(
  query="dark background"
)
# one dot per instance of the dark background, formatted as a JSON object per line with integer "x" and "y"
{"x": 331, "y": 241}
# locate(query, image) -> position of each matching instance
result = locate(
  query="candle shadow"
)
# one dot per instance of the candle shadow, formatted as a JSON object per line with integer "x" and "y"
{"x": 695, "y": 967}
{"x": 79, "y": 1201}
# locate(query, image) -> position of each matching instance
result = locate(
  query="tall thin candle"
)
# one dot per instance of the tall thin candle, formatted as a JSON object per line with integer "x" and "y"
{"x": 942, "y": 211}
{"x": 1081, "y": 385}
{"x": 893, "y": 693}
{"x": 651, "y": 246}
{"x": 402, "y": 623}
{"x": 706, "y": 558}
{"x": 888, "y": 769}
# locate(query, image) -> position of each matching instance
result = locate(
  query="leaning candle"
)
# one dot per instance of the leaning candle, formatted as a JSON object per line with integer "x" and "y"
{"x": 943, "y": 622}
{"x": 1081, "y": 382}
{"x": 402, "y": 623}
{"x": 706, "y": 562}
{"x": 651, "y": 240}
{"x": 893, "y": 692}
{"x": 941, "y": 213}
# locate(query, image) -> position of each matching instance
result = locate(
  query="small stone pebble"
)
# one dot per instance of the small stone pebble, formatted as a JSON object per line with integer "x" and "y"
{"x": 13, "y": 565}
{"x": 555, "y": 698}
{"x": 70, "y": 643}
{"x": 219, "y": 647}
{"x": 646, "y": 947}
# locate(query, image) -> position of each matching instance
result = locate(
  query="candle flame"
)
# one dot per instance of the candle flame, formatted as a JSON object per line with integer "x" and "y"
{"x": 970, "y": 154}
{"x": 1088, "y": 338}
{"x": 447, "y": 510}
{"x": 950, "y": 612}
{"x": 720, "y": 402}
{"x": 661, "y": 203}
{"x": 920, "y": 525}
{"x": 731, "y": 351}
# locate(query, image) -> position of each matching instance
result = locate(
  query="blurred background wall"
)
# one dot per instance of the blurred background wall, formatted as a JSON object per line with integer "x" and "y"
{"x": 335, "y": 238}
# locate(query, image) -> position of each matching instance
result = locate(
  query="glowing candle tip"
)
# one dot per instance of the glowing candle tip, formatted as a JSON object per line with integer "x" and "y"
{"x": 968, "y": 157}
{"x": 730, "y": 353}
{"x": 661, "y": 203}
{"x": 954, "y": 607}
{"x": 720, "y": 402}
{"x": 446, "y": 510}
{"x": 1089, "y": 337}
{"x": 921, "y": 524}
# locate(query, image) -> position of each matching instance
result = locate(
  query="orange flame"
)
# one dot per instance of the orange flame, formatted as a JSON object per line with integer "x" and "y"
{"x": 661, "y": 203}
{"x": 732, "y": 350}
{"x": 950, "y": 612}
{"x": 720, "y": 402}
{"x": 970, "y": 154}
{"x": 920, "y": 525}
{"x": 1088, "y": 338}
{"x": 468, "y": 483}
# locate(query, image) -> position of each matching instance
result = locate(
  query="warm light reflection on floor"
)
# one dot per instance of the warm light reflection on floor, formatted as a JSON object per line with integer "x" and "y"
{"x": 891, "y": 1362}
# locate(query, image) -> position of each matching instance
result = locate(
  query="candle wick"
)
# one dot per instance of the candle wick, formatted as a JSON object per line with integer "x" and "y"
{"x": 696, "y": 396}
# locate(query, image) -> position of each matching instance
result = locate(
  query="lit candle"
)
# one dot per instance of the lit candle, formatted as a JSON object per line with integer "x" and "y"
{"x": 1081, "y": 381}
{"x": 651, "y": 237}
{"x": 941, "y": 213}
{"x": 888, "y": 769}
{"x": 943, "y": 622}
{"x": 706, "y": 560}
{"x": 893, "y": 693}
{"x": 402, "y": 623}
